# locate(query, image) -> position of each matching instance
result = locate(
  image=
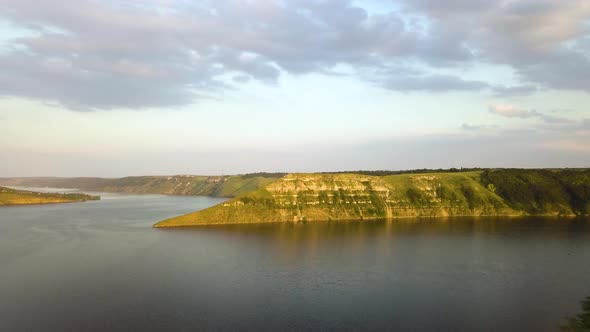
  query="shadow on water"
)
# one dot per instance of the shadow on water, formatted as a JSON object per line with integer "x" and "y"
{"x": 581, "y": 321}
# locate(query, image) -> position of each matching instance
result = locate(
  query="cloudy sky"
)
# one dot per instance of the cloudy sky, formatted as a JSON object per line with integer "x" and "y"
{"x": 114, "y": 88}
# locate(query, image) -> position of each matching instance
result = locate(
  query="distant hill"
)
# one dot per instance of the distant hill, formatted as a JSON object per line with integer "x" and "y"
{"x": 361, "y": 196}
{"x": 220, "y": 186}
{"x": 9, "y": 196}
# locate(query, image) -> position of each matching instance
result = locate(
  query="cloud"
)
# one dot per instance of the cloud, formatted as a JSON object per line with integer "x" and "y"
{"x": 86, "y": 54}
{"x": 534, "y": 37}
{"x": 514, "y": 91}
{"x": 556, "y": 120}
{"x": 510, "y": 111}
{"x": 432, "y": 83}
{"x": 96, "y": 55}
{"x": 478, "y": 128}
{"x": 467, "y": 126}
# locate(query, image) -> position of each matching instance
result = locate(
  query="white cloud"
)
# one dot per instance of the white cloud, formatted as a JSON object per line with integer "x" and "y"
{"x": 102, "y": 55}
{"x": 510, "y": 111}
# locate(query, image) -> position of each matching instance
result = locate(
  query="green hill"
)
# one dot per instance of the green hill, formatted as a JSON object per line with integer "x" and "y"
{"x": 342, "y": 196}
{"x": 9, "y": 196}
{"x": 219, "y": 186}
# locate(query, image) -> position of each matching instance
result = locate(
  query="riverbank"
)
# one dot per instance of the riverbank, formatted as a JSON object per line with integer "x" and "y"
{"x": 15, "y": 197}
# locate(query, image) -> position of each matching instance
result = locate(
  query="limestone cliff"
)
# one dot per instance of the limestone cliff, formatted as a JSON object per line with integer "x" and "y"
{"x": 308, "y": 197}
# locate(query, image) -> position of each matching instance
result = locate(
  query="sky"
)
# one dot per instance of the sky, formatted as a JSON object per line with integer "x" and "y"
{"x": 155, "y": 87}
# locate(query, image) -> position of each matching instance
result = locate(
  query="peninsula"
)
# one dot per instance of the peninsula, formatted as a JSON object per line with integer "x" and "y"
{"x": 375, "y": 195}
{"x": 9, "y": 196}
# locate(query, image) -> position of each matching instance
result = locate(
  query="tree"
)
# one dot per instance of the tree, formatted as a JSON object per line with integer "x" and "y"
{"x": 579, "y": 322}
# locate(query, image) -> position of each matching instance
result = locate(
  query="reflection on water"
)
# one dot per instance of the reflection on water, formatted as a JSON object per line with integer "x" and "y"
{"x": 99, "y": 266}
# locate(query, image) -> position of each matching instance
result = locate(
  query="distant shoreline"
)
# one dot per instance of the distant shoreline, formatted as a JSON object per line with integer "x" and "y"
{"x": 15, "y": 197}
{"x": 44, "y": 203}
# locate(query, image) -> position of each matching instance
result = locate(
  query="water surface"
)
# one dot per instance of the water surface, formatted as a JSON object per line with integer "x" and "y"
{"x": 100, "y": 266}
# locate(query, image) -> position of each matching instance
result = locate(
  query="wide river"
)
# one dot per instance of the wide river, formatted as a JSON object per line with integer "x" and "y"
{"x": 99, "y": 266}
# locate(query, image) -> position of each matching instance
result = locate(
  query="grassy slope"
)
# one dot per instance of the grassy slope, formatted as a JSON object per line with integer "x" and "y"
{"x": 299, "y": 197}
{"x": 352, "y": 196}
{"x": 221, "y": 186}
{"x": 10, "y": 196}
{"x": 444, "y": 194}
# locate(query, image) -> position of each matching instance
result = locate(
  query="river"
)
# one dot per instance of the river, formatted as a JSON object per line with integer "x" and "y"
{"x": 99, "y": 266}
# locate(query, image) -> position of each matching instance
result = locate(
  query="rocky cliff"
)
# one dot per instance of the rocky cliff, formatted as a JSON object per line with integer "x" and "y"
{"x": 308, "y": 197}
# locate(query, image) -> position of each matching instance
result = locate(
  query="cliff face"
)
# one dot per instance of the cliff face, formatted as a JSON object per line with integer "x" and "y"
{"x": 307, "y": 197}
{"x": 325, "y": 197}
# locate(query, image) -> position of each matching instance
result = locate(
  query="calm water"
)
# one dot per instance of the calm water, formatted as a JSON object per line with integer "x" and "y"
{"x": 99, "y": 266}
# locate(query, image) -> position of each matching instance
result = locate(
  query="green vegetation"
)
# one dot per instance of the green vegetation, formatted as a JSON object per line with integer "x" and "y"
{"x": 546, "y": 192}
{"x": 10, "y": 196}
{"x": 219, "y": 186}
{"x": 277, "y": 197}
{"x": 348, "y": 196}
{"x": 410, "y": 171}
{"x": 581, "y": 321}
